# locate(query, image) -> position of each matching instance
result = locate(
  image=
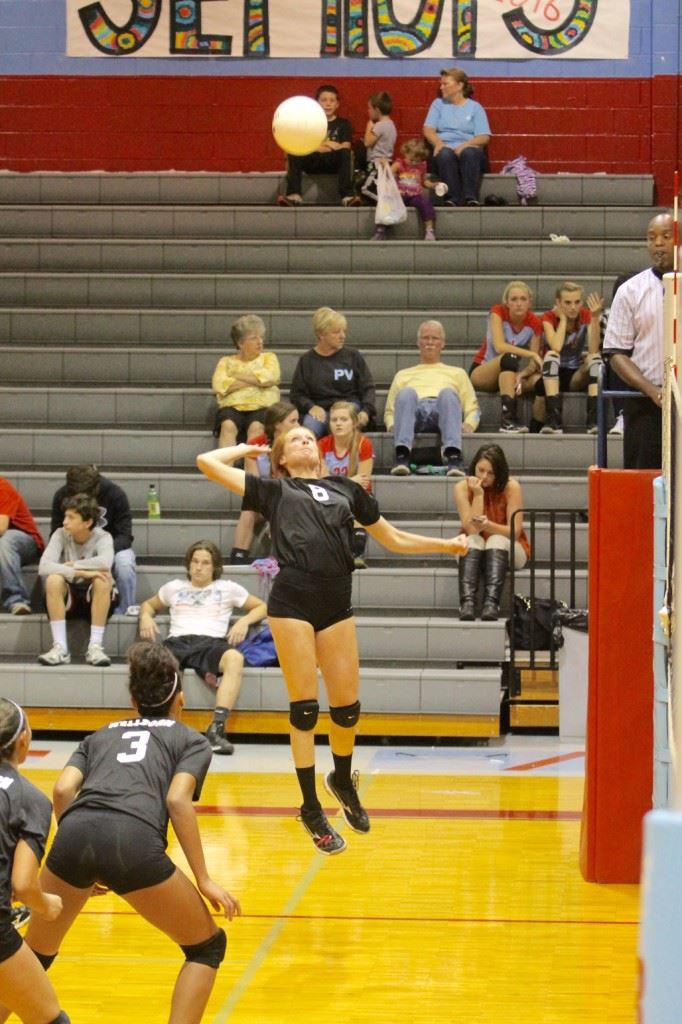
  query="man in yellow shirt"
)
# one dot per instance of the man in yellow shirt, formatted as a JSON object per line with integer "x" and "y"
{"x": 431, "y": 396}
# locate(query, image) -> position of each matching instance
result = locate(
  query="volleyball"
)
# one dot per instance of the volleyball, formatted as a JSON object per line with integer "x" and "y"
{"x": 299, "y": 125}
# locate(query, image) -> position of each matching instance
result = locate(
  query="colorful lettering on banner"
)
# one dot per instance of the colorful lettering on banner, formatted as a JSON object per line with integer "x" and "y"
{"x": 404, "y": 39}
{"x": 351, "y": 35}
{"x": 120, "y": 40}
{"x": 548, "y": 43}
{"x": 464, "y": 28}
{"x": 256, "y": 28}
{"x": 186, "y": 35}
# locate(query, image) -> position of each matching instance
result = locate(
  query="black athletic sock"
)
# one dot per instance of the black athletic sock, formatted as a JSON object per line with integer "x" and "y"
{"x": 342, "y": 763}
{"x": 306, "y": 780}
{"x": 220, "y": 716}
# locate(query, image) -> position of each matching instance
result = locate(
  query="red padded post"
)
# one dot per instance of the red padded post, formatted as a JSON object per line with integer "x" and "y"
{"x": 619, "y": 749}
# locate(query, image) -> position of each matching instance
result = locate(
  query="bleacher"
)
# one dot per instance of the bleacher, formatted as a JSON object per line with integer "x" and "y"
{"x": 116, "y": 297}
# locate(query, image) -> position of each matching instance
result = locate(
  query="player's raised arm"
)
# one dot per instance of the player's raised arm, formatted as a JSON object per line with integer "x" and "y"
{"x": 217, "y": 465}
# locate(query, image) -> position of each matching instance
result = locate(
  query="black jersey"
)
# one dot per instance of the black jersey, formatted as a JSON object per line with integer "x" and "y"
{"x": 311, "y": 521}
{"x": 128, "y": 767}
{"x": 25, "y": 814}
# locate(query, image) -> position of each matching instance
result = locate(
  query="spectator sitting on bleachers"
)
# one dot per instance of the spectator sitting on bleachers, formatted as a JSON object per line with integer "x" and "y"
{"x": 114, "y": 516}
{"x": 486, "y": 501}
{"x": 431, "y": 396}
{"x": 330, "y": 373}
{"x": 245, "y": 384}
{"x": 333, "y": 156}
{"x": 279, "y": 418}
{"x": 513, "y": 333}
{"x": 571, "y": 361}
{"x": 75, "y": 568}
{"x": 200, "y": 634}
{"x": 347, "y": 452}
{"x": 20, "y": 544}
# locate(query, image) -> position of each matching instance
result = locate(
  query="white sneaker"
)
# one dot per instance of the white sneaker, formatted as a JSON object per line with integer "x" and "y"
{"x": 97, "y": 656}
{"x": 618, "y": 427}
{"x": 55, "y": 656}
{"x": 20, "y": 608}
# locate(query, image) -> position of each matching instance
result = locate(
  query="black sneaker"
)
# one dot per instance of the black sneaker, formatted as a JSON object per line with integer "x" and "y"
{"x": 349, "y": 801}
{"x": 20, "y": 916}
{"x": 218, "y": 740}
{"x": 454, "y": 466}
{"x": 327, "y": 840}
{"x": 402, "y": 465}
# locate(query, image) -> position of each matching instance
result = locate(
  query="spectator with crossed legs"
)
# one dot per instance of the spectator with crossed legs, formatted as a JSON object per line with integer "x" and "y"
{"x": 309, "y": 608}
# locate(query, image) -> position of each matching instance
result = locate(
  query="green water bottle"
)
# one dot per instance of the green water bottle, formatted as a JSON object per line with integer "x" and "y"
{"x": 153, "y": 503}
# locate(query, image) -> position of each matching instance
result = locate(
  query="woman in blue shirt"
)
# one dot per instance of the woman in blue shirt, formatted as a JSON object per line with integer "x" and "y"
{"x": 457, "y": 128}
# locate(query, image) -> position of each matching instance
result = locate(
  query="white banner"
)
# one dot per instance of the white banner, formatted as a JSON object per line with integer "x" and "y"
{"x": 443, "y": 29}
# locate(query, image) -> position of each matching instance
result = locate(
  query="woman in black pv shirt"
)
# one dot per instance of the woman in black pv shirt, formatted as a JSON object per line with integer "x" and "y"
{"x": 25, "y": 815}
{"x": 309, "y": 610}
{"x": 113, "y": 801}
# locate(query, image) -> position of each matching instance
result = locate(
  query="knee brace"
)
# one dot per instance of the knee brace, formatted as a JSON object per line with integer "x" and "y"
{"x": 550, "y": 365}
{"x": 594, "y": 369}
{"x": 539, "y": 388}
{"x": 303, "y": 714}
{"x": 347, "y": 716}
{"x": 45, "y": 959}
{"x": 61, "y": 1019}
{"x": 210, "y": 953}
{"x": 509, "y": 362}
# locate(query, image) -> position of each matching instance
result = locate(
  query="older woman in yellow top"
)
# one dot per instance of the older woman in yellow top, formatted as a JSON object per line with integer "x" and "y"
{"x": 245, "y": 384}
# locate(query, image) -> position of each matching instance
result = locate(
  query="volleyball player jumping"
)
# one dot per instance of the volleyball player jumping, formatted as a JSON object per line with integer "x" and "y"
{"x": 113, "y": 801}
{"x": 309, "y": 610}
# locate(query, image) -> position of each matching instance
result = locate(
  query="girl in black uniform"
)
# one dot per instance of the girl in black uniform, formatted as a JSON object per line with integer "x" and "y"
{"x": 309, "y": 610}
{"x": 113, "y": 801}
{"x": 25, "y": 815}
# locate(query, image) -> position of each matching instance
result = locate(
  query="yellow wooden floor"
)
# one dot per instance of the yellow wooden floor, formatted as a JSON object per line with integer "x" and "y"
{"x": 464, "y": 904}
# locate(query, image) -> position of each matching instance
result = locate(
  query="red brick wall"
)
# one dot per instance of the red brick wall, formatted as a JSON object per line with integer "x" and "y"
{"x": 618, "y": 125}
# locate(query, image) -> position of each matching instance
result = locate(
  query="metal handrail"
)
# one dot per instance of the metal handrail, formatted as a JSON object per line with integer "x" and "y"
{"x": 602, "y": 394}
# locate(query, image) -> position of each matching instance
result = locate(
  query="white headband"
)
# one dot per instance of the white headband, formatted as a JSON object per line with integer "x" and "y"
{"x": 20, "y": 727}
{"x": 166, "y": 699}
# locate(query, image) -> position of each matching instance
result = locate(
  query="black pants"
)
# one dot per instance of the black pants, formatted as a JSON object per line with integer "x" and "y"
{"x": 339, "y": 162}
{"x": 642, "y": 441}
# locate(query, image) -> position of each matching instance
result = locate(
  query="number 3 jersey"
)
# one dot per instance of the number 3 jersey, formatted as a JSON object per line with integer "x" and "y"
{"x": 128, "y": 766}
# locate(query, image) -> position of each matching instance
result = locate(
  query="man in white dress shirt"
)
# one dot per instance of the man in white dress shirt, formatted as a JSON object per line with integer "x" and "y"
{"x": 634, "y": 346}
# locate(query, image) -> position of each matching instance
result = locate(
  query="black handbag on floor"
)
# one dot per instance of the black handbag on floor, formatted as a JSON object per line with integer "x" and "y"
{"x": 535, "y": 625}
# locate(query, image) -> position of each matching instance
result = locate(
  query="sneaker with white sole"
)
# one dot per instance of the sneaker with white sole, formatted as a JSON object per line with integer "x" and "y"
{"x": 618, "y": 427}
{"x": 56, "y": 655}
{"x": 97, "y": 656}
{"x": 326, "y": 839}
{"x": 349, "y": 801}
{"x": 20, "y": 915}
{"x": 20, "y": 608}
{"x": 218, "y": 740}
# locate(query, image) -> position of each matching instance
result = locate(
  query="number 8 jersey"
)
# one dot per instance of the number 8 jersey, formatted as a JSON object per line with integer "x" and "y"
{"x": 128, "y": 767}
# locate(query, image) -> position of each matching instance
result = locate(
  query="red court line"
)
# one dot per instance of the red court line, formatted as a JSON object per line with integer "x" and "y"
{"x": 37, "y": 753}
{"x": 403, "y": 812}
{"x": 545, "y": 761}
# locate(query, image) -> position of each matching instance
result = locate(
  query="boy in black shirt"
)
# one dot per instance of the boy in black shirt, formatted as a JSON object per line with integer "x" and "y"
{"x": 332, "y": 157}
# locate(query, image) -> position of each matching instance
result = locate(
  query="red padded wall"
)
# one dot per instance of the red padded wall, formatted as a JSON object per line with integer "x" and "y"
{"x": 619, "y": 752}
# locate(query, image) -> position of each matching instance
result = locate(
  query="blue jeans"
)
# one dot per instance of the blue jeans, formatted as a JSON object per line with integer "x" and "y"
{"x": 16, "y": 549}
{"x": 442, "y": 414}
{"x": 462, "y": 174}
{"x": 124, "y": 571}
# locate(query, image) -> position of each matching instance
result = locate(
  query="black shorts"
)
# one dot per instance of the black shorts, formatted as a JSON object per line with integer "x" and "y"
{"x": 202, "y": 653}
{"x": 121, "y": 852}
{"x": 321, "y": 601}
{"x": 241, "y": 420}
{"x": 79, "y": 599}
{"x": 10, "y": 939}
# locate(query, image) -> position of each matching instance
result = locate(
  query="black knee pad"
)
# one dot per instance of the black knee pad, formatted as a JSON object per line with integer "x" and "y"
{"x": 594, "y": 369}
{"x": 509, "y": 362}
{"x": 539, "y": 388}
{"x": 303, "y": 714}
{"x": 210, "y": 953}
{"x": 46, "y": 959}
{"x": 550, "y": 366}
{"x": 347, "y": 716}
{"x": 63, "y": 1018}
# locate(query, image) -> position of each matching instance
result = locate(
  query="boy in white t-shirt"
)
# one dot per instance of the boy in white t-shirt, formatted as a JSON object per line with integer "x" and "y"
{"x": 200, "y": 635}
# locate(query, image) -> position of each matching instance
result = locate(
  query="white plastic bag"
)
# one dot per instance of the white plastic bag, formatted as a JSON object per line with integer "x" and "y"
{"x": 390, "y": 206}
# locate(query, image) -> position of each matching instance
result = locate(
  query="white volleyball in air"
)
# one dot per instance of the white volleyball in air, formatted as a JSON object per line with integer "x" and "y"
{"x": 299, "y": 125}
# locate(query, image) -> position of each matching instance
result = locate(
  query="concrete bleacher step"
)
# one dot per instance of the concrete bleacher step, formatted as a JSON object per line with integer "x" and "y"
{"x": 190, "y": 493}
{"x": 444, "y": 292}
{"x": 469, "y": 691}
{"x": 297, "y": 256}
{"x": 315, "y": 222}
{"x": 414, "y": 639}
{"x": 187, "y": 408}
{"x": 257, "y": 188}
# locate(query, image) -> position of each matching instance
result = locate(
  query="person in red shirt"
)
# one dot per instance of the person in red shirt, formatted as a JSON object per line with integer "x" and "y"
{"x": 347, "y": 452}
{"x": 571, "y": 361}
{"x": 20, "y": 544}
